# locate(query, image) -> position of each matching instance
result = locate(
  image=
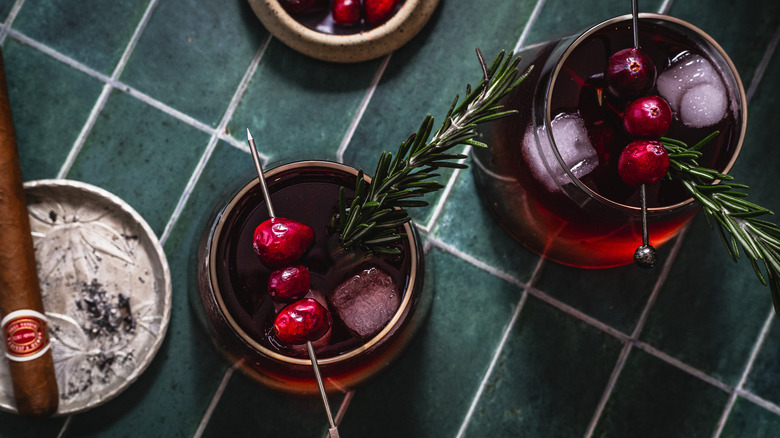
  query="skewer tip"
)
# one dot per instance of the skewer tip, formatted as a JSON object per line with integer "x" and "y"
{"x": 249, "y": 135}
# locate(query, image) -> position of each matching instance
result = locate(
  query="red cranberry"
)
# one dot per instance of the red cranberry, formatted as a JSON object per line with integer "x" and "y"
{"x": 302, "y": 321}
{"x": 648, "y": 116}
{"x": 346, "y": 12}
{"x": 630, "y": 73}
{"x": 280, "y": 241}
{"x": 643, "y": 162}
{"x": 303, "y": 6}
{"x": 378, "y": 11}
{"x": 290, "y": 283}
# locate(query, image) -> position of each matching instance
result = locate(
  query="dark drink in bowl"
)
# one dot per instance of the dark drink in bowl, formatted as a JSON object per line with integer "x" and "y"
{"x": 550, "y": 176}
{"x": 376, "y": 301}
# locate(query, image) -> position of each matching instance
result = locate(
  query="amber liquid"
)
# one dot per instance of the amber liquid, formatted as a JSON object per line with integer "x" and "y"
{"x": 572, "y": 226}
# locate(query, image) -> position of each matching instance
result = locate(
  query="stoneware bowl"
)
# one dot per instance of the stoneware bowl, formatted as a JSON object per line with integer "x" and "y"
{"x": 362, "y": 46}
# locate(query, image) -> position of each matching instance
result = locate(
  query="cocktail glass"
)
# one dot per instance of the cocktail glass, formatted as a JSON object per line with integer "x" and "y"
{"x": 233, "y": 304}
{"x": 545, "y": 202}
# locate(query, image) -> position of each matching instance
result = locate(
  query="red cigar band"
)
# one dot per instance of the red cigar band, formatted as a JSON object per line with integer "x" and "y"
{"x": 25, "y": 334}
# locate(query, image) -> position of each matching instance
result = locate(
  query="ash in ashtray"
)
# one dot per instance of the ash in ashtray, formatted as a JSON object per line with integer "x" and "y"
{"x": 109, "y": 325}
{"x": 104, "y": 316}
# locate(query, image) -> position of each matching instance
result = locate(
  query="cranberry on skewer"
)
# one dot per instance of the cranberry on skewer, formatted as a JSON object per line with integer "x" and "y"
{"x": 333, "y": 430}
{"x": 290, "y": 283}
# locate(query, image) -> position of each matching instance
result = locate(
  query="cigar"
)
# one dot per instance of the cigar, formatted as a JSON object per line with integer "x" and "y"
{"x": 22, "y": 318}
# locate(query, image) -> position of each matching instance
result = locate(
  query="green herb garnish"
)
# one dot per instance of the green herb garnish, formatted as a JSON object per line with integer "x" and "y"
{"x": 737, "y": 220}
{"x": 372, "y": 218}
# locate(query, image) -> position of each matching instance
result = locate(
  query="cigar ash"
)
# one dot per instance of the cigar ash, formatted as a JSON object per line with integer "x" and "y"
{"x": 106, "y": 289}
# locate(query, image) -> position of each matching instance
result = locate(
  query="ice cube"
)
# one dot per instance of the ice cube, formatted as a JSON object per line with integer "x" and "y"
{"x": 366, "y": 302}
{"x": 703, "y": 105}
{"x": 571, "y": 138}
{"x": 686, "y": 72}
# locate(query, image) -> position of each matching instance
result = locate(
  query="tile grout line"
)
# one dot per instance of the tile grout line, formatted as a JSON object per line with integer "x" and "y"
{"x": 216, "y": 398}
{"x": 499, "y": 349}
{"x": 99, "y": 104}
{"x": 9, "y": 19}
{"x": 107, "y": 88}
{"x": 760, "y": 401}
{"x": 475, "y": 262}
{"x": 632, "y": 340}
{"x": 529, "y": 24}
{"x": 762, "y": 66}
{"x": 118, "y": 85}
{"x": 213, "y": 141}
{"x": 439, "y": 207}
{"x": 665, "y": 7}
{"x": 362, "y": 108}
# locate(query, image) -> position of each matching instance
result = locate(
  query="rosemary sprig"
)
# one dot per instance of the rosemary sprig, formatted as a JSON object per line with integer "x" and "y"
{"x": 738, "y": 221}
{"x": 372, "y": 218}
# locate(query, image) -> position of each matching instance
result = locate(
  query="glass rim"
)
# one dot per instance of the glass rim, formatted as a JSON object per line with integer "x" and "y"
{"x": 411, "y": 236}
{"x": 740, "y": 91}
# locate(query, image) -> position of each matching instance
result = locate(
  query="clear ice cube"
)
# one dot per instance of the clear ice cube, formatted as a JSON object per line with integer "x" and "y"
{"x": 366, "y": 302}
{"x": 571, "y": 138}
{"x": 694, "y": 90}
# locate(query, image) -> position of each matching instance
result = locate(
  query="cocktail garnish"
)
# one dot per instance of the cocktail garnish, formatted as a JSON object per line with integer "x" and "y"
{"x": 737, "y": 220}
{"x": 373, "y": 216}
{"x": 305, "y": 320}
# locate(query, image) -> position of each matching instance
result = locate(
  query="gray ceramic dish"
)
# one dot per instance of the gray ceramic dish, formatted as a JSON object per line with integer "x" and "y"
{"x": 90, "y": 247}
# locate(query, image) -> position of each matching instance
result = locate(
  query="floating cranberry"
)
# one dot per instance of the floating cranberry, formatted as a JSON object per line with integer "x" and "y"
{"x": 378, "y": 11}
{"x": 280, "y": 241}
{"x": 630, "y": 73}
{"x": 346, "y": 12}
{"x": 303, "y": 6}
{"x": 290, "y": 283}
{"x": 302, "y": 321}
{"x": 649, "y": 116}
{"x": 643, "y": 162}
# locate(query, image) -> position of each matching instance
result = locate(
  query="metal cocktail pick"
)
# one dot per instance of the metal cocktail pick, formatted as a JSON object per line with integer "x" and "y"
{"x": 645, "y": 255}
{"x": 333, "y": 431}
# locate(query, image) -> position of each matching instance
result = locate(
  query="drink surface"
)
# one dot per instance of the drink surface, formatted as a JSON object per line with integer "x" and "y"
{"x": 311, "y": 197}
{"x": 583, "y": 215}
{"x": 581, "y": 90}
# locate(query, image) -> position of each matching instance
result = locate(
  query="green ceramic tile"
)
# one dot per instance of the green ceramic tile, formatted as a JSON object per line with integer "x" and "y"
{"x": 428, "y": 391}
{"x": 5, "y": 8}
{"x": 301, "y": 108}
{"x": 410, "y": 88}
{"x": 247, "y": 406}
{"x": 466, "y": 225}
{"x": 568, "y": 17}
{"x": 193, "y": 54}
{"x": 47, "y": 114}
{"x": 743, "y": 31}
{"x": 92, "y": 32}
{"x": 172, "y": 401}
{"x": 726, "y": 301}
{"x": 613, "y": 296}
{"x": 15, "y": 426}
{"x": 749, "y": 419}
{"x": 534, "y": 388}
{"x": 654, "y": 399}
{"x": 709, "y": 311}
{"x": 758, "y": 164}
{"x": 156, "y": 153}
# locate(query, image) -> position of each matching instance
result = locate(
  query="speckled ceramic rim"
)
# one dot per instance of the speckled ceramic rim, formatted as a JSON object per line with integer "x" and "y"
{"x": 732, "y": 70}
{"x": 405, "y": 302}
{"x": 381, "y": 40}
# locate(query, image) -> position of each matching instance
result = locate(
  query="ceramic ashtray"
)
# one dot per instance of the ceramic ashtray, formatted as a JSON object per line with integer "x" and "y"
{"x": 106, "y": 288}
{"x": 322, "y": 35}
